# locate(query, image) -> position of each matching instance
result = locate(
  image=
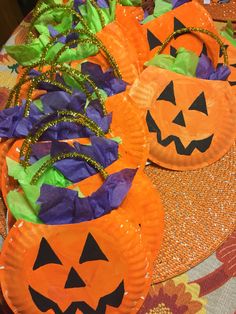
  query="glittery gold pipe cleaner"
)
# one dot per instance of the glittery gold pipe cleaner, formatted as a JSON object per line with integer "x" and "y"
{"x": 70, "y": 116}
{"x": 86, "y": 158}
{"x": 16, "y": 89}
{"x": 198, "y": 30}
{"x": 75, "y": 74}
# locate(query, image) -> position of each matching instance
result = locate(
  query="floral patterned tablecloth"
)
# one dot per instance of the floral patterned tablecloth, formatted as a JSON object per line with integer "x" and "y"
{"x": 208, "y": 288}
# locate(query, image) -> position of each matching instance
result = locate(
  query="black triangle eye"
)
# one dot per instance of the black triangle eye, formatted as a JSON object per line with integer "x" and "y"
{"x": 168, "y": 94}
{"x": 173, "y": 51}
{"x": 204, "y": 50}
{"x": 91, "y": 251}
{"x": 152, "y": 127}
{"x": 153, "y": 41}
{"x": 177, "y": 26}
{"x": 45, "y": 255}
{"x": 199, "y": 104}
{"x": 221, "y": 51}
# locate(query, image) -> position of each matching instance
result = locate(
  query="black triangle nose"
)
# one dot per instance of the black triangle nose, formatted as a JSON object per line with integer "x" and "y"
{"x": 179, "y": 119}
{"x": 74, "y": 280}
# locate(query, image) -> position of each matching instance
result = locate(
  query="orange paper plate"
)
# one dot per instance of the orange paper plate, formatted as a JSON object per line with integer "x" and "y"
{"x": 192, "y": 122}
{"x": 191, "y": 14}
{"x": 99, "y": 266}
{"x": 132, "y": 30}
{"x": 121, "y": 49}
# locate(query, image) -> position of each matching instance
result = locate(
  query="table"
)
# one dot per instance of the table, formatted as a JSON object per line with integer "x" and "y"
{"x": 208, "y": 288}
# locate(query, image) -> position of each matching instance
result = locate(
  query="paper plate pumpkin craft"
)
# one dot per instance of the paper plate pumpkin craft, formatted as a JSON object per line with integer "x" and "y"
{"x": 71, "y": 268}
{"x": 182, "y": 117}
{"x": 181, "y": 140}
{"x": 160, "y": 28}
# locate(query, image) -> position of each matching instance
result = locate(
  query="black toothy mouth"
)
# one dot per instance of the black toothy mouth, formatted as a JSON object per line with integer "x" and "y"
{"x": 201, "y": 145}
{"x": 113, "y": 299}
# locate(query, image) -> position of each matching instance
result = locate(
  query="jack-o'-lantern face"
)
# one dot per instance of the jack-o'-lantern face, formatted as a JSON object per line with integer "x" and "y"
{"x": 69, "y": 269}
{"x": 71, "y": 286}
{"x": 191, "y": 121}
{"x": 184, "y": 145}
{"x": 160, "y": 28}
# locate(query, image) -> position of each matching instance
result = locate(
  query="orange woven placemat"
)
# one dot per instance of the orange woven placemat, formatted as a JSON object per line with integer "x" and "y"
{"x": 221, "y": 11}
{"x": 199, "y": 213}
